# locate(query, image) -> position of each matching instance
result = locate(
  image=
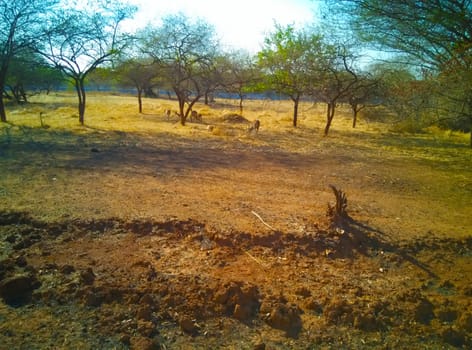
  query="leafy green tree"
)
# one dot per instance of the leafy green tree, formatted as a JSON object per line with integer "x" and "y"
{"x": 22, "y": 23}
{"x": 81, "y": 38}
{"x": 28, "y": 73}
{"x": 291, "y": 61}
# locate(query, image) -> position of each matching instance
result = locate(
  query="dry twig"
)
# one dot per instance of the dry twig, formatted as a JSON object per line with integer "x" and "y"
{"x": 259, "y": 217}
{"x": 255, "y": 259}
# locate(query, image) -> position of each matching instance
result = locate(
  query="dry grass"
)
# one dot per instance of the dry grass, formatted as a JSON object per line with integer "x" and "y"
{"x": 112, "y": 122}
{"x": 119, "y": 113}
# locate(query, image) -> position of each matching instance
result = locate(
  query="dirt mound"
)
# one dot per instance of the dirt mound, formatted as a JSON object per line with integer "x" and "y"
{"x": 234, "y": 118}
{"x": 125, "y": 283}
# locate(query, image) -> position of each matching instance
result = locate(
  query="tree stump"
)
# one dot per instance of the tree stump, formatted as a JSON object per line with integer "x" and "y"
{"x": 337, "y": 213}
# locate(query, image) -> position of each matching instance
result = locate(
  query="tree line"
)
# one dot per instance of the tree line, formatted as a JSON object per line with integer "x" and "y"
{"x": 425, "y": 80}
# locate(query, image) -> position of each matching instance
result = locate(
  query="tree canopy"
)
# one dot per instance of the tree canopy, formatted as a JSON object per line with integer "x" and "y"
{"x": 185, "y": 49}
{"x": 292, "y": 62}
{"x": 80, "y": 39}
{"x": 22, "y": 24}
{"x": 436, "y": 35}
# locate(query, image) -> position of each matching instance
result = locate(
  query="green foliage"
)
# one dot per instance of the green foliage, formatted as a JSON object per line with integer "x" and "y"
{"x": 81, "y": 37}
{"x": 29, "y": 72}
{"x": 22, "y": 25}
{"x": 294, "y": 63}
{"x": 292, "y": 60}
{"x": 435, "y": 36}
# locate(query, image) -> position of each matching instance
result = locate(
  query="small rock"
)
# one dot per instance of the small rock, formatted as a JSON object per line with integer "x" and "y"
{"x": 260, "y": 346}
{"x": 303, "y": 292}
{"x": 67, "y": 269}
{"x": 367, "y": 322}
{"x": 242, "y": 313}
{"x": 21, "y": 261}
{"x": 125, "y": 339}
{"x": 147, "y": 299}
{"x": 17, "y": 288}
{"x": 144, "y": 313}
{"x": 188, "y": 326}
{"x": 453, "y": 337}
{"x": 287, "y": 318}
{"x": 143, "y": 343}
{"x": 93, "y": 299}
{"x": 447, "y": 315}
{"x": 424, "y": 311}
{"x": 87, "y": 276}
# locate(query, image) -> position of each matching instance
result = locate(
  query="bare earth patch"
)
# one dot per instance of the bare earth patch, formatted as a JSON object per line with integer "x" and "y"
{"x": 116, "y": 240}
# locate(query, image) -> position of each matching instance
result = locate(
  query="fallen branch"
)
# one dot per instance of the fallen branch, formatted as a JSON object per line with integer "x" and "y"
{"x": 265, "y": 223}
{"x": 255, "y": 259}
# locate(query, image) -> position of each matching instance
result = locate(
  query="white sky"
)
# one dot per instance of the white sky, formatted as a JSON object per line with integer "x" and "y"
{"x": 239, "y": 24}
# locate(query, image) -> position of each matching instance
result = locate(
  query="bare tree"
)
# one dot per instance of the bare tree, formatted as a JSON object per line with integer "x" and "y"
{"x": 185, "y": 49}
{"x": 83, "y": 38}
{"x": 337, "y": 81}
{"x": 240, "y": 75}
{"x": 361, "y": 95}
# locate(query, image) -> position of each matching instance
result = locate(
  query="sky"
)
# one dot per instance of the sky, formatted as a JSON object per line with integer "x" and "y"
{"x": 239, "y": 24}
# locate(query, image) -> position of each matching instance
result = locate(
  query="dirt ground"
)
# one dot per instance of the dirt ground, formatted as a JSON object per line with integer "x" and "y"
{"x": 117, "y": 240}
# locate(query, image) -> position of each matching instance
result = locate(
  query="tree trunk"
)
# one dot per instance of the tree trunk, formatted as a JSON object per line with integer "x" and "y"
{"x": 470, "y": 127}
{"x": 183, "y": 117}
{"x": 3, "y": 75}
{"x": 140, "y": 100}
{"x": 149, "y": 92}
{"x": 470, "y": 116}
{"x": 240, "y": 104}
{"x": 354, "y": 117}
{"x": 80, "y": 88}
{"x": 329, "y": 116}
{"x": 3, "y": 116}
{"x": 295, "y": 110}
{"x": 22, "y": 92}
